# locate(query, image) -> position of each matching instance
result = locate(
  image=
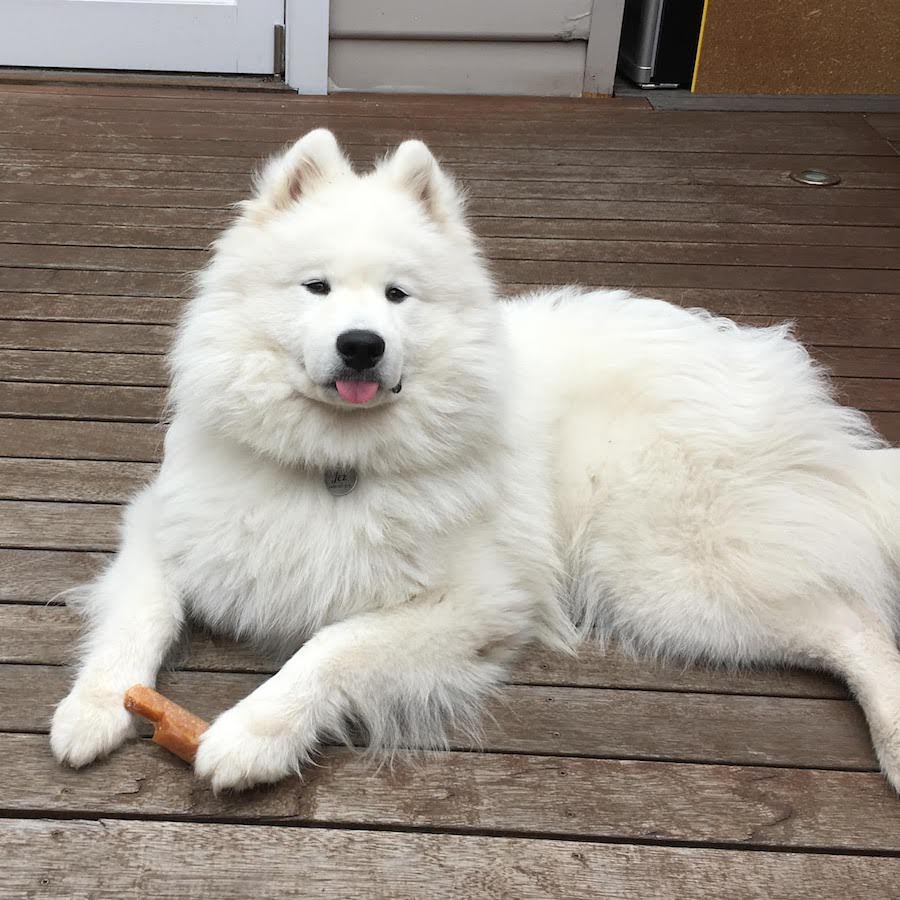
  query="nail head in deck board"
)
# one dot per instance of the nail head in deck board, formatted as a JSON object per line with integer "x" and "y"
{"x": 119, "y": 859}
{"x": 484, "y": 792}
{"x": 40, "y": 635}
{"x": 567, "y": 721}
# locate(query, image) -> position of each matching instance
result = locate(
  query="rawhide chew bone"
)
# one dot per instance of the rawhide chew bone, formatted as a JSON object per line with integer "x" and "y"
{"x": 174, "y": 727}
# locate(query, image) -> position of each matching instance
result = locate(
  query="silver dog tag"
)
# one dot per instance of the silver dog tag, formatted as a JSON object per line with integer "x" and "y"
{"x": 339, "y": 482}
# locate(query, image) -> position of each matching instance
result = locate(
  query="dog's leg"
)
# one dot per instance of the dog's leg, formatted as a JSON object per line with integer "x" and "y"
{"x": 134, "y": 617}
{"x": 864, "y": 653}
{"x": 402, "y": 673}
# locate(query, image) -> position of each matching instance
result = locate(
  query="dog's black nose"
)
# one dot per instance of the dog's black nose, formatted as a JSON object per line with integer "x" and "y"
{"x": 360, "y": 349}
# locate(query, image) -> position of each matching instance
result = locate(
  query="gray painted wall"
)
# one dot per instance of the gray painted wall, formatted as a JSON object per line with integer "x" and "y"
{"x": 538, "y": 47}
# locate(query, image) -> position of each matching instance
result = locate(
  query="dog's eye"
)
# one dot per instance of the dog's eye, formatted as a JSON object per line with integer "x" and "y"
{"x": 317, "y": 287}
{"x": 395, "y": 294}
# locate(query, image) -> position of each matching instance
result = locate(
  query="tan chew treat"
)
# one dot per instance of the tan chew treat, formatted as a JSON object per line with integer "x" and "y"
{"x": 174, "y": 727}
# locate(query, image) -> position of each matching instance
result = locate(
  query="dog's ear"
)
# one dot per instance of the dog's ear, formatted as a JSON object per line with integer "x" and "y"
{"x": 315, "y": 159}
{"x": 413, "y": 168}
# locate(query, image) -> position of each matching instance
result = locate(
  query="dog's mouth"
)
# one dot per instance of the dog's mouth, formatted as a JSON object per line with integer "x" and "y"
{"x": 356, "y": 392}
{"x": 362, "y": 388}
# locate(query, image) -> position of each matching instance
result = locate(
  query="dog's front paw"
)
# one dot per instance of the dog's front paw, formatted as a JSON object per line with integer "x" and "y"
{"x": 88, "y": 724}
{"x": 245, "y": 746}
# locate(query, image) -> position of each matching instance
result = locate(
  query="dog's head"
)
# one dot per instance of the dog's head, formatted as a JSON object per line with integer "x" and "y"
{"x": 342, "y": 314}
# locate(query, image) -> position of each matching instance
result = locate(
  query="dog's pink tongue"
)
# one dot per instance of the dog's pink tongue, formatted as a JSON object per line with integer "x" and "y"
{"x": 357, "y": 391}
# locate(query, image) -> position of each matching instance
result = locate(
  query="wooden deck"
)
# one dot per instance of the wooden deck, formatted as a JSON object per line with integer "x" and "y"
{"x": 601, "y": 777}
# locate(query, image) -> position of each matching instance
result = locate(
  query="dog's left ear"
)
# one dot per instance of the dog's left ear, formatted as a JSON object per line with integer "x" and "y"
{"x": 413, "y": 168}
{"x": 314, "y": 160}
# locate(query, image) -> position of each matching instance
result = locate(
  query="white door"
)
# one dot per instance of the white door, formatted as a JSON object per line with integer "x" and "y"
{"x": 157, "y": 35}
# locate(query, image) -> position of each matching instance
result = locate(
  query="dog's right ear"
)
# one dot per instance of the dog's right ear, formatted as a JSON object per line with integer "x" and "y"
{"x": 315, "y": 159}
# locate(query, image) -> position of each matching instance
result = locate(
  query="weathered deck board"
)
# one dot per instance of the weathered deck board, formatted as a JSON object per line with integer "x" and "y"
{"x": 41, "y": 635}
{"x": 106, "y": 174}
{"x": 126, "y": 403}
{"x": 149, "y": 370}
{"x": 107, "y": 279}
{"x": 28, "y": 191}
{"x": 592, "y": 722}
{"x": 71, "y": 480}
{"x": 166, "y": 259}
{"x": 142, "y": 442}
{"x": 109, "y": 197}
{"x": 716, "y": 236}
{"x": 17, "y": 334}
{"x": 700, "y": 131}
{"x": 647, "y": 161}
{"x": 97, "y": 213}
{"x": 495, "y": 792}
{"x": 785, "y": 305}
{"x": 150, "y": 858}
{"x": 49, "y": 439}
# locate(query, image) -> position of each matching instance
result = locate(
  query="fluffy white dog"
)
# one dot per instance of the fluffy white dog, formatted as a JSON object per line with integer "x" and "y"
{"x": 374, "y": 460}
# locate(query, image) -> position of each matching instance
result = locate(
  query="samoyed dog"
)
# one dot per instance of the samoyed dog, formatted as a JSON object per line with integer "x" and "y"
{"x": 377, "y": 465}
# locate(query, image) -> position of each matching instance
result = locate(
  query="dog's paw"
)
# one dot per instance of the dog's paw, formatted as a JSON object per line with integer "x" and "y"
{"x": 89, "y": 724}
{"x": 246, "y": 746}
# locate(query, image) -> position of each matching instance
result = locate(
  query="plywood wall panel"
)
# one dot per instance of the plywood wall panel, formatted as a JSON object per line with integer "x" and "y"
{"x": 800, "y": 47}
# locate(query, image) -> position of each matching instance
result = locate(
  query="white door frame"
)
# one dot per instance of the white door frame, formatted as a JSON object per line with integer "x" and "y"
{"x": 306, "y": 45}
{"x": 603, "y": 47}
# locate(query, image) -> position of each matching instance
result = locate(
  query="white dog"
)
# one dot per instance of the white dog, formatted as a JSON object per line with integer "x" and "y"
{"x": 374, "y": 460}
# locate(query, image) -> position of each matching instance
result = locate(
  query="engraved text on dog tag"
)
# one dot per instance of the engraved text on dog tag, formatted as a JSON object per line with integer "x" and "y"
{"x": 340, "y": 482}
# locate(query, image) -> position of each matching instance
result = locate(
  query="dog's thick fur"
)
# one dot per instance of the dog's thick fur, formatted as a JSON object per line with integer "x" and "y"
{"x": 564, "y": 465}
